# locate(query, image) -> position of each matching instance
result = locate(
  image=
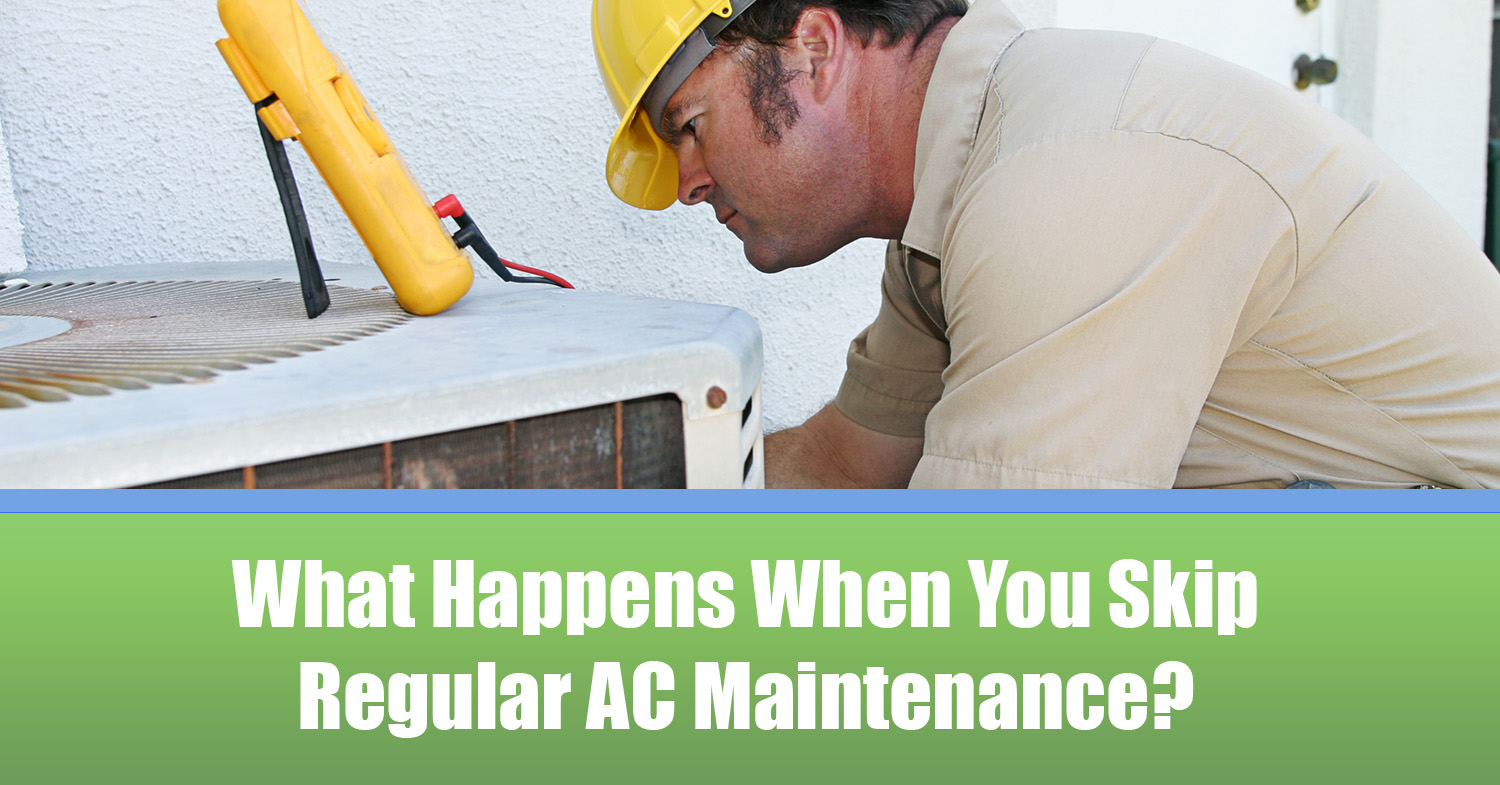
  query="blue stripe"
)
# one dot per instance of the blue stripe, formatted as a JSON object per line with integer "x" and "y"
{"x": 270, "y": 501}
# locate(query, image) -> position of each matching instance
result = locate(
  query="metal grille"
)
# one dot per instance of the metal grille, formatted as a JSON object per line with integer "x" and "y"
{"x": 128, "y": 335}
{"x": 631, "y": 444}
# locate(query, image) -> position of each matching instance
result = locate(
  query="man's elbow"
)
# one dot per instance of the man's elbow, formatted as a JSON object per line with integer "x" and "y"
{"x": 832, "y": 451}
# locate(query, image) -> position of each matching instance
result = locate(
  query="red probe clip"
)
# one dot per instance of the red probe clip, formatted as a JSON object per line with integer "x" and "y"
{"x": 468, "y": 235}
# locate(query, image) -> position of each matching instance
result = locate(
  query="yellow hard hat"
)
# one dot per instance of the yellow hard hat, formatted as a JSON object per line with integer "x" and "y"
{"x": 646, "y": 49}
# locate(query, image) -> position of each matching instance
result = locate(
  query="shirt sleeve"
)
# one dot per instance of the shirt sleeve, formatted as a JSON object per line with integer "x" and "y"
{"x": 895, "y": 367}
{"x": 1093, "y": 285}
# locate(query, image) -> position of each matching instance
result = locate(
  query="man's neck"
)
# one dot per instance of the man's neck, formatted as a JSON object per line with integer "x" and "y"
{"x": 893, "y": 105}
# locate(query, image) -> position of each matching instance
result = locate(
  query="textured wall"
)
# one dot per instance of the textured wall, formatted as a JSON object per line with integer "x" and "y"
{"x": 1414, "y": 77}
{"x": 131, "y": 143}
{"x": 1429, "y": 94}
{"x": 1036, "y": 13}
{"x": 12, "y": 257}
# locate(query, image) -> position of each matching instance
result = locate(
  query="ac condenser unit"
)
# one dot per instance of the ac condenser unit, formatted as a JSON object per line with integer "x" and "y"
{"x": 212, "y": 376}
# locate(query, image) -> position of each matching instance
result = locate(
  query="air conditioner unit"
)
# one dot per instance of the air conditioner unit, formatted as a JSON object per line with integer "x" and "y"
{"x": 213, "y": 376}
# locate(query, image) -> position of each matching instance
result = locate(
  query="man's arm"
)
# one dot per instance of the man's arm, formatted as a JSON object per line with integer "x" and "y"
{"x": 832, "y": 451}
{"x": 1094, "y": 287}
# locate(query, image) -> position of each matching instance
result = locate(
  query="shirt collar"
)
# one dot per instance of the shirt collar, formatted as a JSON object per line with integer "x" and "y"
{"x": 950, "y": 117}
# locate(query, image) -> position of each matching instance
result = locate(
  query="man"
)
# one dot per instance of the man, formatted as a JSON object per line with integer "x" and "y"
{"x": 1115, "y": 262}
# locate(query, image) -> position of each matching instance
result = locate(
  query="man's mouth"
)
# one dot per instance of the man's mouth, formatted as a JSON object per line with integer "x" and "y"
{"x": 726, "y": 215}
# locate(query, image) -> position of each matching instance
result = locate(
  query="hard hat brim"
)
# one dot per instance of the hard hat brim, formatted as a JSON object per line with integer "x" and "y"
{"x": 641, "y": 167}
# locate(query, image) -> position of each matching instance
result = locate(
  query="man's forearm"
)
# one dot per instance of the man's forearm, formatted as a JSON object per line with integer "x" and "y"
{"x": 799, "y": 458}
{"x": 832, "y": 451}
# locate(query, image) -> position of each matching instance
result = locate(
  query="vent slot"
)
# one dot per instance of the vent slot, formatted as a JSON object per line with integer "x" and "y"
{"x": 752, "y": 443}
{"x": 632, "y": 444}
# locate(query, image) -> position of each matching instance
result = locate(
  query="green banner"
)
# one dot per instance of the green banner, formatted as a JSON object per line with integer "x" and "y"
{"x": 738, "y": 647}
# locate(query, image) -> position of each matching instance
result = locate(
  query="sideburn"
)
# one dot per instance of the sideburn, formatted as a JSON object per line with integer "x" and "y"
{"x": 768, "y": 83}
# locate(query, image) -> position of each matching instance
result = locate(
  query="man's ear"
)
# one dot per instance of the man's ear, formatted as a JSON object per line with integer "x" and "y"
{"x": 819, "y": 48}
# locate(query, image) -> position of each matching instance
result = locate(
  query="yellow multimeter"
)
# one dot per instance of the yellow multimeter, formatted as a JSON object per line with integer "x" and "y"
{"x": 302, "y": 91}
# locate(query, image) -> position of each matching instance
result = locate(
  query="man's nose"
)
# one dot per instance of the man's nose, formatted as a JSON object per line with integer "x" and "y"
{"x": 694, "y": 183}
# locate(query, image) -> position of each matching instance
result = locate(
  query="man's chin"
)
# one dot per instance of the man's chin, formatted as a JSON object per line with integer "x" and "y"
{"x": 774, "y": 260}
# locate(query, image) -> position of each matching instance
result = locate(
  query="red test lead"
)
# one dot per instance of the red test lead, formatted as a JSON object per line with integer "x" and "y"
{"x": 468, "y": 235}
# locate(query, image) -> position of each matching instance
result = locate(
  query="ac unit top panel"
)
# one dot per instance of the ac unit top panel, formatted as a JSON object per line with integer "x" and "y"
{"x": 504, "y": 352}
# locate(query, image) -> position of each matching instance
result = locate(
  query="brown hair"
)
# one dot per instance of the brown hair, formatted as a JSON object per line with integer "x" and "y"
{"x": 765, "y": 26}
{"x": 770, "y": 22}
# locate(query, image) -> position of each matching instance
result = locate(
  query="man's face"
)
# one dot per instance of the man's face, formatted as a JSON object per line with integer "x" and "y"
{"x": 787, "y": 189}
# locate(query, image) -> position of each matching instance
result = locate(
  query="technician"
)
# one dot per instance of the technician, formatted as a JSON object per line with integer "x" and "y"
{"x": 1115, "y": 262}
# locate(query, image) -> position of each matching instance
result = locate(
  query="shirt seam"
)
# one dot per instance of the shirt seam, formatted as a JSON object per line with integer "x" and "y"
{"x": 1291, "y": 214}
{"x": 1246, "y": 450}
{"x": 1130, "y": 82}
{"x": 1341, "y": 387}
{"x": 911, "y": 288}
{"x": 883, "y": 394}
{"x": 989, "y": 81}
{"x": 1000, "y": 130}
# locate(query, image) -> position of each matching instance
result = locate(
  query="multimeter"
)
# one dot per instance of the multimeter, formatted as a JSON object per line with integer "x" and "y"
{"x": 302, "y": 91}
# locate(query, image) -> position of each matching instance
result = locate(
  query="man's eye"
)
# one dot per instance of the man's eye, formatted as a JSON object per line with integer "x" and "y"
{"x": 691, "y": 127}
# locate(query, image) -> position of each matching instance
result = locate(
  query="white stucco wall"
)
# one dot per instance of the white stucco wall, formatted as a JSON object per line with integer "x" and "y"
{"x": 12, "y": 253}
{"x": 132, "y": 143}
{"x": 129, "y": 142}
{"x": 1414, "y": 77}
{"x": 1036, "y": 13}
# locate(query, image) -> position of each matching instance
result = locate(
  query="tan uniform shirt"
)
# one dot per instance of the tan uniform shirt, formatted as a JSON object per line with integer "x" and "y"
{"x": 1130, "y": 264}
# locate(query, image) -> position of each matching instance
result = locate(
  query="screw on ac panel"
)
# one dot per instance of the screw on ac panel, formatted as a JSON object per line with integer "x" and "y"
{"x": 717, "y": 397}
{"x": 1311, "y": 72}
{"x": 1308, "y": 5}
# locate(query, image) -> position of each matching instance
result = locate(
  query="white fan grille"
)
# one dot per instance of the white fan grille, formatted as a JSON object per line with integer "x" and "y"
{"x": 128, "y": 335}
